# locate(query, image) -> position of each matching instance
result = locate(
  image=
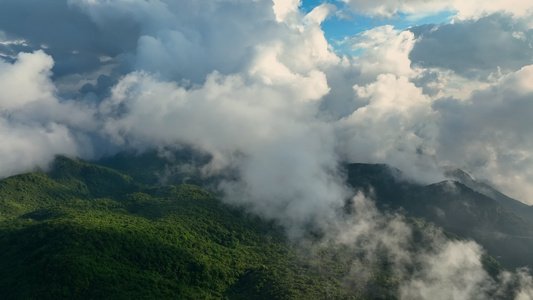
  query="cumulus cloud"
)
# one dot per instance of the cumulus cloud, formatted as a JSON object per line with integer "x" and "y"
{"x": 244, "y": 126}
{"x": 418, "y": 8}
{"x": 285, "y": 8}
{"x": 187, "y": 40}
{"x": 29, "y": 138}
{"x": 26, "y": 81}
{"x": 490, "y": 130}
{"x": 385, "y": 50}
{"x": 475, "y": 48}
{"x": 397, "y": 126}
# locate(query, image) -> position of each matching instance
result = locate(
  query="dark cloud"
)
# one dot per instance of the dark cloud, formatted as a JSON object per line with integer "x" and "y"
{"x": 101, "y": 88}
{"x": 475, "y": 48}
{"x": 184, "y": 39}
{"x": 74, "y": 41}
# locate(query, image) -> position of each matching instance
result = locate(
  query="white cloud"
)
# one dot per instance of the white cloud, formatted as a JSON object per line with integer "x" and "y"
{"x": 285, "y": 8}
{"x": 24, "y": 148}
{"x": 262, "y": 126}
{"x": 395, "y": 126}
{"x": 390, "y": 119}
{"x": 320, "y": 13}
{"x": 384, "y": 51}
{"x": 488, "y": 132}
{"x": 389, "y": 8}
{"x": 465, "y": 9}
{"x": 26, "y": 80}
{"x": 30, "y": 139}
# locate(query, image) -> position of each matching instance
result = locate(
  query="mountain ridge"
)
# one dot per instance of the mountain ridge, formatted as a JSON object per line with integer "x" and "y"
{"x": 452, "y": 205}
{"x": 67, "y": 237}
{"x": 70, "y": 233}
{"x": 514, "y": 205}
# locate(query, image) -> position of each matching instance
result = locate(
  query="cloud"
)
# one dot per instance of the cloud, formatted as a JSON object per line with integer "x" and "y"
{"x": 397, "y": 125}
{"x": 441, "y": 269}
{"x": 187, "y": 40}
{"x": 475, "y": 48}
{"x": 285, "y": 8}
{"x": 26, "y": 81}
{"x": 418, "y": 8}
{"x": 384, "y": 51}
{"x": 68, "y": 35}
{"x": 489, "y": 129}
{"x": 29, "y": 140}
{"x": 265, "y": 130}
{"x": 390, "y": 8}
{"x": 320, "y": 13}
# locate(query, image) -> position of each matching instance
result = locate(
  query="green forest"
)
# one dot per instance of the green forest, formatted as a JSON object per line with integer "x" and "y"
{"x": 82, "y": 231}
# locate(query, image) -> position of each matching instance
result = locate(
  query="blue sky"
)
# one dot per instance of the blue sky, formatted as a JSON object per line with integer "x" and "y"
{"x": 336, "y": 29}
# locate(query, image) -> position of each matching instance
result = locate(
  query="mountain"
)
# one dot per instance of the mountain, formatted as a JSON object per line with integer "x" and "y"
{"x": 511, "y": 204}
{"x": 87, "y": 231}
{"x": 154, "y": 167}
{"x": 454, "y": 206}
{"x": 84, "y": 231}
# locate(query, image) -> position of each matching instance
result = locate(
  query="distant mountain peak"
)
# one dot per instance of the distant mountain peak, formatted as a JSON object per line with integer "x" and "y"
{"x": 514, "y": 205}
{"x": 458, "y": 174}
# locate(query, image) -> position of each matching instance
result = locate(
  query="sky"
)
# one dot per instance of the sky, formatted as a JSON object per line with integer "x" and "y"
{"x": 282, "y": 92}
{"x": 415, "y": 84}
{"x": 347, "y": 22}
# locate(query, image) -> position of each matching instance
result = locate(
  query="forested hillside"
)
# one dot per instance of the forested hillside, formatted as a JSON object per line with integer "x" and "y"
{"x": 82, "y": 231}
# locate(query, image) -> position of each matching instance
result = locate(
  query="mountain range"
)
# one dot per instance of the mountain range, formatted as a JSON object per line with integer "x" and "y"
{"x": 130, "y": 226}
{"x": 460, "y": 205}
